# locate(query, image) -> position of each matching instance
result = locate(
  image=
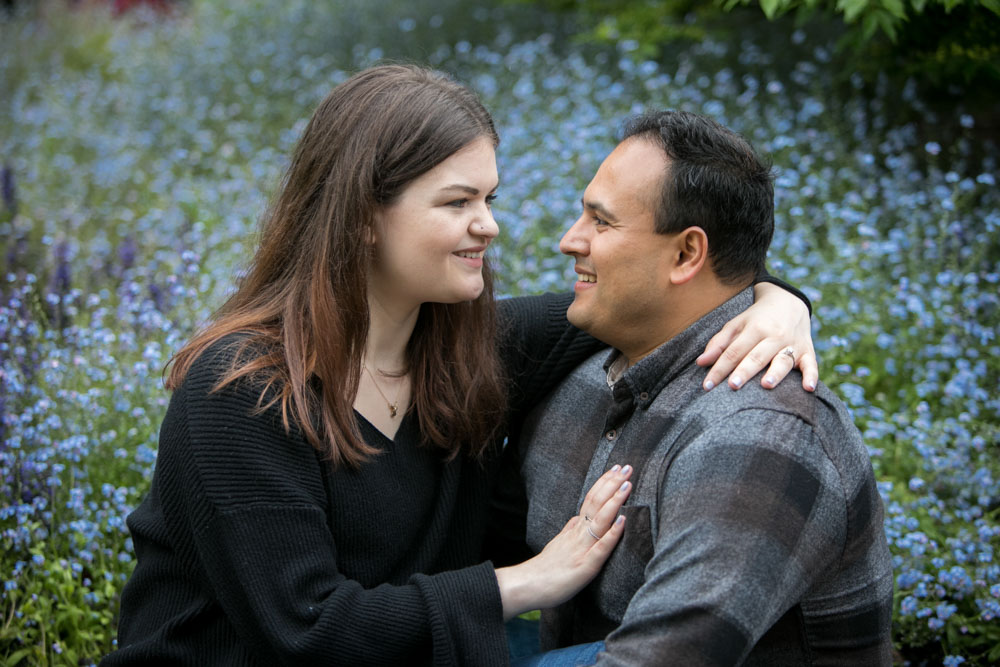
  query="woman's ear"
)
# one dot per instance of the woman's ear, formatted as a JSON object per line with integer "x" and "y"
{"x": 689, "y": 256}
{"x": 371, "y": 229}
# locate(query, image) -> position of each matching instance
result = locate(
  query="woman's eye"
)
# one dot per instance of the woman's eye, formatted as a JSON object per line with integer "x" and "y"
{"x": 458, "y": 203}
{"x": 490, "y": 199}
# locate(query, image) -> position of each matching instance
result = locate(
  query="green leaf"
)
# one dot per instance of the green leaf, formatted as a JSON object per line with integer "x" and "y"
{"x": 895, "y": 7}
{"x": 18, "y": 656}
{"x": 992, "y": 5}
{"x": 868, "y": 27}
{"x": 851, "y": 8}
{"x": 770, "y": 7}
{"x": 888, "y": 25}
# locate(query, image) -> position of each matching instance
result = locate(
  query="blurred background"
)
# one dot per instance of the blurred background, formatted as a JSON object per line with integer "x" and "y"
{"x": 140, "y": 142}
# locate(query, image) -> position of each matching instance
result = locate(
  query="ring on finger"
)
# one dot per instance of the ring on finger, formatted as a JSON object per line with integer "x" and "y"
{"x": 790, "y": 353}
{"x": 592, "y": 533}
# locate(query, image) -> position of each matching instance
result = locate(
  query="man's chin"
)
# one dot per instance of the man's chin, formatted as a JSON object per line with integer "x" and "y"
{"x": 576, "y": 315}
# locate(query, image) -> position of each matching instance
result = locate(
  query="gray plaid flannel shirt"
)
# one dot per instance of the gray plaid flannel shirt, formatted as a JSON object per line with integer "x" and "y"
{"x": 754, "y": 529}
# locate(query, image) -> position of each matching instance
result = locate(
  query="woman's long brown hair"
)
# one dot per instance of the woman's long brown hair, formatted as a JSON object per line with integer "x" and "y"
{"x": 303, "y": 303}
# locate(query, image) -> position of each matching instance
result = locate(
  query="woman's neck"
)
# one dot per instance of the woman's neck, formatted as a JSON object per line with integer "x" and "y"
{"x": 389, "y": 332}
{"x": 384, "y": 391}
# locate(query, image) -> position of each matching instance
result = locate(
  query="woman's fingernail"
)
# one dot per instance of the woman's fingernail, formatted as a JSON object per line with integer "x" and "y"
{"x": 769, "y": 380}
{"x": 708, "y": 385}
{"x": 620, "y": 520}
{"x": 812, "y": 385}
{"x": 615, "y": 467}
{"x": 626, "y": 470}
{"x": 624, "y": 487}
{"x": 736, "y": 380}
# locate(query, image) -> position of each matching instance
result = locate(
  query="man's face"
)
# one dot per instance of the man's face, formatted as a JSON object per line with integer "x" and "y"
{"x": 621, "y": 261}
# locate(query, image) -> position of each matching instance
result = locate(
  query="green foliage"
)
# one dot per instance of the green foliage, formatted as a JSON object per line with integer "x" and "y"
{"x": 58, "y": 615}
{"x": 940, "y": 41}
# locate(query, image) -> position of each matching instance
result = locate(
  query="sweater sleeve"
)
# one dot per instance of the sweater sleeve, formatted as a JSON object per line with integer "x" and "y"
{"x": 539, "y": 346}
{"x": 745, "y": 525}
{"x": 246, "y": 505}
{"x": 765, "y": 277}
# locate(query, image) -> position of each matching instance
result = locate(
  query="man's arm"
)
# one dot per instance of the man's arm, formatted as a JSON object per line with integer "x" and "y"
{"x": 745, "y": 524}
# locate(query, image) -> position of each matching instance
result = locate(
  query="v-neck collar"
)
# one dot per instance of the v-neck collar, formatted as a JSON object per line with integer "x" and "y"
{"x": 381, "y": 434}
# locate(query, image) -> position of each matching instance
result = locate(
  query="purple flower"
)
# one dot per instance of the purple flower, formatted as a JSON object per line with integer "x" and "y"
{"x": 3, "y": 419}
{"x": 127, "y": 252}
{"x": 8, "y": 189}
{"x": 156, "y": 293}
{"x": 61, "y": 276}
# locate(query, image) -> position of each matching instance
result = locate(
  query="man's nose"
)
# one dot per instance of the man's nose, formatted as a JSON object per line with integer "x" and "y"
{"x": 575, "y": 241}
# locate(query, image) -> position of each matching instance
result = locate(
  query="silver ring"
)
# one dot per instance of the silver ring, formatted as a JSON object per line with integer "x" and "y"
{"x": 592, "y": 534}
{"x": 790, "y": 353}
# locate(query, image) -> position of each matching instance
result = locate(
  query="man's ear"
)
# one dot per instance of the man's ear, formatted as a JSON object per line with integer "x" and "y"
{"x": 690, "y": 255}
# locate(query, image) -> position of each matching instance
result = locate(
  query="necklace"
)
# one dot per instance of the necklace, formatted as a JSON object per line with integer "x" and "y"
{"x": 393, "y": 406}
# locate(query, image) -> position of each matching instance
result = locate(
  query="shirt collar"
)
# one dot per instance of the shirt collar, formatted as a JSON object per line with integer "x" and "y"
{"x": 616, "y": 368}
{"x": 647, "y": 378}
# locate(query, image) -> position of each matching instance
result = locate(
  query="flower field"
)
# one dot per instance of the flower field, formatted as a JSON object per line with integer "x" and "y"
{"x": 139, "y": 151}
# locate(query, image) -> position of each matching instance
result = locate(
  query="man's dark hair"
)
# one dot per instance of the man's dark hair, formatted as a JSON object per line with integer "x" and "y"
{"x": 714, "y": 180}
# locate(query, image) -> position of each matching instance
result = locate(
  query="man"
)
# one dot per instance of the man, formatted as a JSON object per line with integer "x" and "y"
{"x": 754, "y": 527}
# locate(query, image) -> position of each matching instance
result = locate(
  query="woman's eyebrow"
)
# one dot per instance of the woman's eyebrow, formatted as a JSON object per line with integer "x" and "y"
{"x": 465, "y": 188}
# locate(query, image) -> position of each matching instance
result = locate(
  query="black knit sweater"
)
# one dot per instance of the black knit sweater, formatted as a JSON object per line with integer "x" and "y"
{"x": 253, "y": 551}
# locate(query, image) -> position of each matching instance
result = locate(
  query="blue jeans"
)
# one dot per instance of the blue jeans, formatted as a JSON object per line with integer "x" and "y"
{"x": 522, "y": 637}
{"x": 571, "y": 656}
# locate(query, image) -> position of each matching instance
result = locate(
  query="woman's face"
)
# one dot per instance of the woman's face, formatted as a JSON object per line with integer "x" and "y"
{"x": 429, "y": 242}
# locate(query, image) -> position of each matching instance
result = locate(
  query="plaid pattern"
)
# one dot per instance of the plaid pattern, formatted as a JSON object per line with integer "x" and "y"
{"x": 754, "y": 529}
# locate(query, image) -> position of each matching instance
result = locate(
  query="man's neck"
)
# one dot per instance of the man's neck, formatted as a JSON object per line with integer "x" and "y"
{"x": 687, "y": 304}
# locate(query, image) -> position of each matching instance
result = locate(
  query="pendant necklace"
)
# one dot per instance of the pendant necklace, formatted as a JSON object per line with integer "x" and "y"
{"x": 393, "y": 407}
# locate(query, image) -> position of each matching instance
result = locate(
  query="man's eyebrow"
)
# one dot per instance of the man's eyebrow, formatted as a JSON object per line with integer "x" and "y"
{"x": 599, "y": 208}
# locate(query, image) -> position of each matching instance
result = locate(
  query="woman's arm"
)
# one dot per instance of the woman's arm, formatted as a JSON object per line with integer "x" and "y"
{"x": 540, "y": 347}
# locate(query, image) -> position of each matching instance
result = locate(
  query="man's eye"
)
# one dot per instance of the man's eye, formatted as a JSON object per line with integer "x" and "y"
{"x": 599, "y": 222}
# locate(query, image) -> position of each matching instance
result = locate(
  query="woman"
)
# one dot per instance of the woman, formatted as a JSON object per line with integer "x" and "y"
{"x": 325, "y": 463}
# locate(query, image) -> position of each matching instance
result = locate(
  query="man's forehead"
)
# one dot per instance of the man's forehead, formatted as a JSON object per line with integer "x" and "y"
{"x": 630, "y": 177}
